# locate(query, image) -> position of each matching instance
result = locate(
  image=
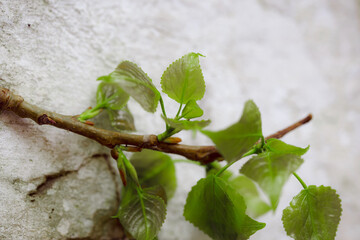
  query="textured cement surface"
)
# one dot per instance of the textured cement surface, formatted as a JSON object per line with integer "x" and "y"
{"x": 291, "y": 57}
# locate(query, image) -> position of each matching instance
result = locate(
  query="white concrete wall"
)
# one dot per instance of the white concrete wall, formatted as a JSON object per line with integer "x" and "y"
{"x": 291, "y": 57}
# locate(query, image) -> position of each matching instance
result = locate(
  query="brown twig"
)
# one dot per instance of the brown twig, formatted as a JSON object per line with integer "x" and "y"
{"x": 284, "y": 131}
{"x": 204, "y": 154}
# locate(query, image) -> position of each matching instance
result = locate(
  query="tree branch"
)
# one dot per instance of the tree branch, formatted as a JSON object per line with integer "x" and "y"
{"x": 284, "y": 131}
{"x": 204, "y": 154}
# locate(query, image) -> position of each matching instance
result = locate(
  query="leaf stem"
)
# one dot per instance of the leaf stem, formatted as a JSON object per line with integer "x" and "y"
{"x": 169, "y": 130}
{"x": 162, "y": 107}
{"x": 262, "y": 141}
{"x": 168, "y": 133}
{"x": 164, "y": 112}
{"x": 250, "y": 152}
{"x": 91, "y": 113}
{"x": 300, "y": 180}
{"x": 177, "y": 114}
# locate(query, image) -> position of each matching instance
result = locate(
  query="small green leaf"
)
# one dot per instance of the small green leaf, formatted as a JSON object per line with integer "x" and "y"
{"x": 237, "y": 139}
{"x": 278, "y": 146}
{"x": 313, "y": 214}
{"x": 122, "y": 169}
{"x": 191, "y": 110}
{"x": 106, "y": 78}
{"x": 137, "y": 84}
{"x": 90, "y": 113}
{"x": 142, "y": 213}
{"x": 121, "y": 119}
{"x": 183, "y": 79}
{"x": 110, "y": 95}
{"x": 130, "y": 169}
{"x": 155, "y": 168}
{"x": 247, "y": 188}
{"x": 186, "y": 124}
{"x": 271, "y": 171}
{"x": 218, "y": 210}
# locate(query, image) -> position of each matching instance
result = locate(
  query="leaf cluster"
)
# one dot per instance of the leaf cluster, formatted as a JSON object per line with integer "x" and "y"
{"x": 223, "y": 204}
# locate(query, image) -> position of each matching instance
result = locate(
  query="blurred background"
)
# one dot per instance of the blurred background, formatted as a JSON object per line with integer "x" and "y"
{"x": 291, "y": 57}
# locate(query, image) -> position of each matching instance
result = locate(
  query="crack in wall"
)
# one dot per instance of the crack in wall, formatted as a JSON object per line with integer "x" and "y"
{"x": 50, "y": 179}
{"x": 49, "y": 182}
{"x": 104, "y": 227}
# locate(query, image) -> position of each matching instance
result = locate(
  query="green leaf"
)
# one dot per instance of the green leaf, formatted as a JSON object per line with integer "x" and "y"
{"x": 121, "y": 119}
{"x": 130, "y": 169}
{"x": 106, "y": 78}
{"x": 142, "y": 213}
{"x": 271, "y": 171}
{"x": 108, "y": 96}
{"x": 111, "y": 95}
{"x": 218, "y": 210}
{"x": 237, "y": 139}
{"x": 155, "y": 168}
{"x": 137, "y": 84}
{"x": 90, "y": 113}
{"x": 186, "y": 124}
{"x": 191, "y": 110}
{"x": 277, "y": 146}
{"x": 183, "y": 79}
{"x": 159, "y": 191}
{"x": 247, "y": 188}
{"x": 122, "y": 169}
{"x": 313, "y": 214}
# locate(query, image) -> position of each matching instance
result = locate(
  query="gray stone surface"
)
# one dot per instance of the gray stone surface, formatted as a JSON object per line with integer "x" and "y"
{"x": 291, "y": 57}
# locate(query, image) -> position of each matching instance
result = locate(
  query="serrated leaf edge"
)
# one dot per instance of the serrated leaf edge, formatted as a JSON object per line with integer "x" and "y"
{"x": 326, "y": 187}
{"x": 203, "y": 82}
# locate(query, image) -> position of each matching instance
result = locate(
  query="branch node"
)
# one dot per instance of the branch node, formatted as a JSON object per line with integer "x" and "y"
{"x": 8, "y": 100}
{"x": 149, "y": 141}
{"x": 45, "y": 119}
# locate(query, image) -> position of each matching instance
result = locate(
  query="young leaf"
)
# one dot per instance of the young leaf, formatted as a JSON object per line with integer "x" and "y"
{"x": 191, "y": 110}
{"x": 106, "y": 78}
{"x": 137, "y": 84}
{"x": 183, "y": 79}
{"x": 237, "y": 139}
{"x": 130, "y": 169}
{"x": 247, "y": 188}
{"x": 270, "y": 171}
{"x": 313, "y": 214}
{"x": 155, "y": 168}
{"x": 110, "y": 95}
{"x": 278, "y": 146}
{"x": 122, "y": 168}
{"x": 121, "y": 119}
{"x": 185, "y": 124}
{"x": 142, "y": 213}
{"x": 218, "y": 210}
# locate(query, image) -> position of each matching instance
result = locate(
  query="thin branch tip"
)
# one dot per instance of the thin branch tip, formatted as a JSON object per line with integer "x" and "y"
{"x": 290, "y": 128}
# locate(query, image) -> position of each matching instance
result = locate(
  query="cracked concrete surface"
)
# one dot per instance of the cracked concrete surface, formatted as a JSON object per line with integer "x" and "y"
{"x": 66, "y": 205}
{"x": 291, "y": 57}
